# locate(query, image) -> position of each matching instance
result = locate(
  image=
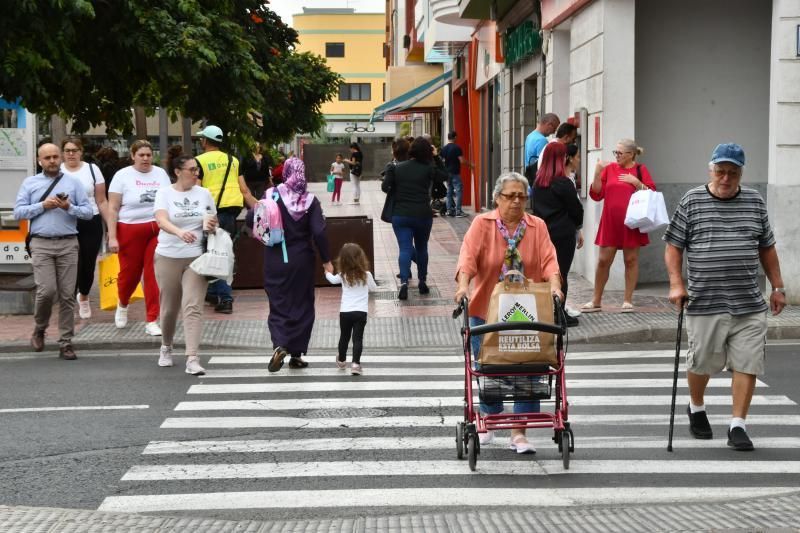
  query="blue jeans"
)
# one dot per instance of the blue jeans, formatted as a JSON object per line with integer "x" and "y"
{"x": 531, "y": 406}
{"x": 454, "y": 188}
{"x": 227, "y": 221}
{"x": 412, "y": 235}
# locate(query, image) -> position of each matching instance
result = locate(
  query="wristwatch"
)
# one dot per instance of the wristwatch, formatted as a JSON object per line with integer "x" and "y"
{"x": 780, "y": 290}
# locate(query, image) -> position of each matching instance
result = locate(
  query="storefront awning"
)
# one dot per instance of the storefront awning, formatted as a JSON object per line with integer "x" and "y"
{"x": 407, "y": 100}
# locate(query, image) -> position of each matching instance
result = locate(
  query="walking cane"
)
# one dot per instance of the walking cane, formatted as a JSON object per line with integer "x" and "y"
{"x": 675, "y": 374}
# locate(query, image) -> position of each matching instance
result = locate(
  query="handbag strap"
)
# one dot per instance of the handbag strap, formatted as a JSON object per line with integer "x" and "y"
{"x": 224, "y": 180}
{"x": 50, "y": 188}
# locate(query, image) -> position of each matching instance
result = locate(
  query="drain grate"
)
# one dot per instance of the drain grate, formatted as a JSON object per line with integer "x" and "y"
{"x": 392, "y": 295}
{"x": 343, "y": 413}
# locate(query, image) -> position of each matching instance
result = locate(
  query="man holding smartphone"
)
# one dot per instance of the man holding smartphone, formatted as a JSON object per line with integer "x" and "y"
{"x": 53, "y": 202}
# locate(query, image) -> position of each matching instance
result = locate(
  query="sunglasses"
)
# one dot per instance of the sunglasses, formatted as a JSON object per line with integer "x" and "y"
{"x": 511, "y": 197}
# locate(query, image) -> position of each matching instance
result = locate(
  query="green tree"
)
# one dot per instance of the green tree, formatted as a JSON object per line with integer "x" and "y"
{"x": 228, "y": 61}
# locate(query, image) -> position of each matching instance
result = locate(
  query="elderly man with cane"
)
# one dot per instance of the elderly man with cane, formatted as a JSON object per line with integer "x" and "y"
{"x": 725, "y": 232}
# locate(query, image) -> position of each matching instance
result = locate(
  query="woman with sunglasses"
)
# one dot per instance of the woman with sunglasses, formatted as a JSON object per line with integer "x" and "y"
{"x": 615, "y": 183}
{"x": 180, "y": 210}
{"x": 90, "y": 232}
{"x": 504, "y": 239}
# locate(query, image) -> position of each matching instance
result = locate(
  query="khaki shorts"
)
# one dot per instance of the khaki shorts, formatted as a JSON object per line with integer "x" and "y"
{"x": 717, "y": 342}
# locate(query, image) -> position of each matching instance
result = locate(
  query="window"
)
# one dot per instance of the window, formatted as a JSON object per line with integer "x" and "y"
{"x": 355, "y": 91}
{"x": 334, "y": 49}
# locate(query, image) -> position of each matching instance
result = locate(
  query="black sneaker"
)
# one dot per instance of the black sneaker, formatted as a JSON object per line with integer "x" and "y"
{"x": 461, "y": 214}
{"x": 698, "y": 424}
{"x": 739, "y": 441}
{"x": 572, "y": 321}
{"x": 402, "y": 294}
{"x": 225, "y": 307}
{"x": 423, "y": 288}
{"x": 276, "y": 362}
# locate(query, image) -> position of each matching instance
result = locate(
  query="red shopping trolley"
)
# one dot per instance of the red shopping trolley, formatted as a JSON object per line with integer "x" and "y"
{"x": 509, "y": 383}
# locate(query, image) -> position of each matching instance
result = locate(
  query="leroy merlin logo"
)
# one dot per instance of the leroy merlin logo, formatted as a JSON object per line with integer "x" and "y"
{"x": 518, "y": 313}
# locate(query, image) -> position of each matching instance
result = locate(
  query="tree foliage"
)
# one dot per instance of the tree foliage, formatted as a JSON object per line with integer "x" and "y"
{"x": 227, "y": 61}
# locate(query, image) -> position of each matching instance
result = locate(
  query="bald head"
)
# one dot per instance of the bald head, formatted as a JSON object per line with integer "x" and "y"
{"x": 49, "y": 158}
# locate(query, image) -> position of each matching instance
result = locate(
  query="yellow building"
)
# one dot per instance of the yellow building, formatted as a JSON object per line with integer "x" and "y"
{"x": 352, "y": 44}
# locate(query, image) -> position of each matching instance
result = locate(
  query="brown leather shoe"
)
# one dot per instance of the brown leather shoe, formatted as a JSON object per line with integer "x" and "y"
{"x": 66, "y": 352}
{"x": 37, "y": 341}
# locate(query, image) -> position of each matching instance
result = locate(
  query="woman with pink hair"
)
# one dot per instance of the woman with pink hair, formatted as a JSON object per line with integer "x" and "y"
{"x": 289, "y": 276}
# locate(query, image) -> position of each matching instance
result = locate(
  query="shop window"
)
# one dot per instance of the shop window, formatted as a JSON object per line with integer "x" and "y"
{"x": 334, "y": 49}
{"x": 355, "y": 91}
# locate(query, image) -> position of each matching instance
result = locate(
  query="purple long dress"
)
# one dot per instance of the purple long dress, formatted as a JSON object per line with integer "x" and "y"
{"x": 290, "y": 286}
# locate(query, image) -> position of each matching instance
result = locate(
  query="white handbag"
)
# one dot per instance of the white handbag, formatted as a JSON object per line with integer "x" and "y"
{"x": 217, "y": 261}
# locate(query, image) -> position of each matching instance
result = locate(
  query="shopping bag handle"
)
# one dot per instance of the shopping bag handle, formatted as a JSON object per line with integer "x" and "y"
{"x": 514, "y": 273}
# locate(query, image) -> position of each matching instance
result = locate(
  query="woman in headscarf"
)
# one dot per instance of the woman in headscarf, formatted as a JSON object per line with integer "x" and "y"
{"x": 289, "y": 276}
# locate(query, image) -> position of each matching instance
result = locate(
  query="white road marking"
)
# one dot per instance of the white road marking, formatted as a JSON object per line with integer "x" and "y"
{"x": 429, "y": 443}
{"x": 450, "y": 468}
{"x": 328, "y": 359}
{"x": 405, "y": 422}
{"x": 442, "y": 401}
{"x": 362, "y": 385}
{"x": 74, "y": 408}
{"x": 436, "y": 497}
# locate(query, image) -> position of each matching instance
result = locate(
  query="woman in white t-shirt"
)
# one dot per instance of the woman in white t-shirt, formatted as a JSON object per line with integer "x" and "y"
{"x": 179, "y": 211}
{"x": 133, "y": 232}
{"x": 90, "y": 232}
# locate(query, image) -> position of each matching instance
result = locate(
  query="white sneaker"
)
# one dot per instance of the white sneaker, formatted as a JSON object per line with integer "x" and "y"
{"x": 520, "y": 444}
{"x": 574, "y": 313}
{"x": 165, "y": 356}
{"x": 121, "y": 317}
{"x": 152, "y": 328}
{"x": 355, "y": 369}
{"x": 341, "y": 365}
{"x": 486, "y": 438}
{"x": 84, "y": 309}
{"x": 193, "y": 366}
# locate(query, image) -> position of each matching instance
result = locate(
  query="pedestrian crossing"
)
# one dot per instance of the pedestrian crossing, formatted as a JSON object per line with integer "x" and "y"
{"x": 311, "y": 442}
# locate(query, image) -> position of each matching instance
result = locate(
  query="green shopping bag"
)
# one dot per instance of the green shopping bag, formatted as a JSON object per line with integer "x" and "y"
{"x": 331, "y": 185}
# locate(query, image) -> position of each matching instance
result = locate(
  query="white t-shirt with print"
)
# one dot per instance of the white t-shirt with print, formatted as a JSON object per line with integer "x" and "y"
{"x": 185, "y": 210}
{"x": 337, "y": 169}
{"x": 84, "y": 175}
{"x": 138, "y": 192}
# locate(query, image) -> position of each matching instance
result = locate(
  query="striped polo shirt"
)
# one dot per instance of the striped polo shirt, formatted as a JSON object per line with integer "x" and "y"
{"x": 721, "y": 239}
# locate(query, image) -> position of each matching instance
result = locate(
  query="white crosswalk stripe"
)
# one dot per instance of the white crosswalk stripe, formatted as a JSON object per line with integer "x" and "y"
{"x": 395, "y": 426}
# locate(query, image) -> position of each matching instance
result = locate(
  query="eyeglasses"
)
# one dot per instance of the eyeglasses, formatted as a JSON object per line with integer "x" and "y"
{"x": 617, "y": 153}
{"x": 71, "y": 150}
{"x": 193, "y": 170}
{"x": 517, "y": 196}
{"x": 718, "y": 172}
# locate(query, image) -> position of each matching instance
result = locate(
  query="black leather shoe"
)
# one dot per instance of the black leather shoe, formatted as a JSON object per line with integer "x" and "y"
{"x": 276, "y": 362}
{"x": 211, "y": 299}
{"x": 423, "y": 288}
{"x": 572, "y": 321}
{"x": 297, "y": 362}
{"x": 698, "y": 424}
{"x": 225, "y": 307}
{"x": 739, "y": 441}
{"x": 37, "y": 341}
{"x": 66, "y": 352}
{"x": 402, "y": 294}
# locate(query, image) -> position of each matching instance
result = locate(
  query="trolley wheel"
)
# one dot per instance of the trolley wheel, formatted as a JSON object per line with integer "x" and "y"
{"x": 564, "y": 445}
{"x": 472, "y": 450}
{"x": 460, "y": 442}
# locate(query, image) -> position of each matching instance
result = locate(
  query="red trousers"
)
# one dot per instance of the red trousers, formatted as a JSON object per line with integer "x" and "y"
{"x": 137, "y": 247}
{"x": 337, "y": 190}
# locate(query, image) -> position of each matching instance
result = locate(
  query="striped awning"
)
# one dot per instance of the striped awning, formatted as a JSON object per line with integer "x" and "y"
{"x": 407, "y": 100}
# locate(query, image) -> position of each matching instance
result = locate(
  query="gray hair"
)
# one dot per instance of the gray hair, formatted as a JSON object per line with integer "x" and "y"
{"x": 631, "y": 146}
{"x": 500, "y": 184}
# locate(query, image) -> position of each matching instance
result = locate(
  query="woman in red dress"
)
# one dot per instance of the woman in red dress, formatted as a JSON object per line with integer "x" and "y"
{"x": 615, "y": 183}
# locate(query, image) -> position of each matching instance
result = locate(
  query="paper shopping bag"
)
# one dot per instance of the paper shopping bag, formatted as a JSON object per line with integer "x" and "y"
{"x": 519, "y": 302}
{"x": 108, "y": 272}
{"x": 657, "y": 214}
{"x": 639, "y": 210}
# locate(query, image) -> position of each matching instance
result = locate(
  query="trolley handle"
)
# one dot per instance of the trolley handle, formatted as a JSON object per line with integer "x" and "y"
{"x": 463, "y": 307}
{"x": 505, "y": 326}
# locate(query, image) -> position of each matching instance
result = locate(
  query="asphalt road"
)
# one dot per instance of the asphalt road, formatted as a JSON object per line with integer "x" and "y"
{"x": 77, "y": 458}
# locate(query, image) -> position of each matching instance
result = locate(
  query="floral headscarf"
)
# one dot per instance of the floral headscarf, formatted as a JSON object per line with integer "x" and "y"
{"x": 293, "y": 189}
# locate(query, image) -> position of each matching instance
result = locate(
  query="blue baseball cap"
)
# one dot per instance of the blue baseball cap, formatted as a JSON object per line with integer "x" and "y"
{"x": 728, "y": 153}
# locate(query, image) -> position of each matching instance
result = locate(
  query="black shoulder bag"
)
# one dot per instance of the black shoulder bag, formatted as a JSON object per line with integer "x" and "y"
{"x": 224, "y": 181}
{"x": 30, "y": 224}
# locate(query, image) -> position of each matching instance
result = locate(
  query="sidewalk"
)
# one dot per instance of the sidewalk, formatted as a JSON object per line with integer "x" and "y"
{"x": 418, "y": 322}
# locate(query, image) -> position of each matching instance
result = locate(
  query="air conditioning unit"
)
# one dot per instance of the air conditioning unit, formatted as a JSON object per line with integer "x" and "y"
{"x": 406, "y": 41}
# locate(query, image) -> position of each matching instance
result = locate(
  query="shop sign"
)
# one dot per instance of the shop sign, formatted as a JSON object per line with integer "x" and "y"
{"x": 521, "y": 42}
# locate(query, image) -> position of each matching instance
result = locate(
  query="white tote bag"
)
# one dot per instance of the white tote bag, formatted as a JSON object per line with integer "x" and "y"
{"x": 218, "y": 260}
{"x": 657, "y": 214}
{"x": 638, "y": 211}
